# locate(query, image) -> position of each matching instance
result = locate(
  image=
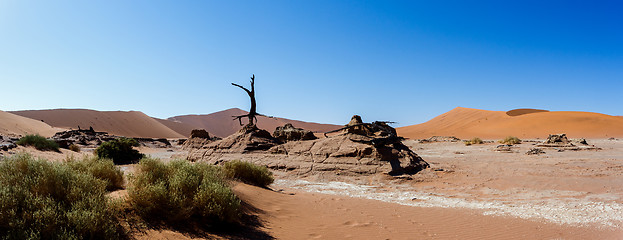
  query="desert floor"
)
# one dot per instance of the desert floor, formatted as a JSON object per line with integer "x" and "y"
{"x": 470, "y": 192}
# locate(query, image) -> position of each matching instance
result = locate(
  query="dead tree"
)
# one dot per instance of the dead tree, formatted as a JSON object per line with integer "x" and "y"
{"x": 253, "y": 111}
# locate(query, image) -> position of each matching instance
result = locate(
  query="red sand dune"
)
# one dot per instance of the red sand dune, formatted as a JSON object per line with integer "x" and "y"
{"x": 221, "y": 124}
{"x": 468, "y": 123}
{"x": 11, "y": 124}
{"x": 129, "y": 124}
{"x": 181, "y": 128}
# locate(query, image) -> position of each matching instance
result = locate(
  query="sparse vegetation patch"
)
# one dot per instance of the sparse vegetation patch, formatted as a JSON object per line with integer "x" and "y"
{"x": 473, "y": 141}
{"x": 510, "y": 140}
{"x": 74, "y": 147}
{"x": 180, "y": 190}
{"x": 46, "y": 200}
{"x": 249, "y": 173}
{"x": 119, "y": 150}
{"x": 39, "y": 142}
{"x": 103, "y": 169}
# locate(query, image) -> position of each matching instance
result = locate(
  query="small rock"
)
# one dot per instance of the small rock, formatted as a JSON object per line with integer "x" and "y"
{"x": 535, "y": 151}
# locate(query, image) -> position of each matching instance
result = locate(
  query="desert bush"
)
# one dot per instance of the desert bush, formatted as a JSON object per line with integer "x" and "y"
{"x": 74, "y": 148}
{"x": 249, "y": 173}
{"x": 119, "y": 150}
{"x": 510, "y": 140}
{"x": 44, "y": 200}
{"x": 473, "y": 141}
{"x": 39, "y": 142}
{"x": 103, "y": 169}
{"x": 179, "y": 190}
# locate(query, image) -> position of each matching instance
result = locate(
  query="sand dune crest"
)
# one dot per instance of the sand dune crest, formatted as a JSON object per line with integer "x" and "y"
{"x": 121, "y": 123}
{"x": 526, "y": 123}
{"x": 11, "y": 124}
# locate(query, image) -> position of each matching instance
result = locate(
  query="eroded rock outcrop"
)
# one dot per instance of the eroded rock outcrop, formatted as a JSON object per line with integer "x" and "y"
{"x": 88, "y": 138}
{"x": 199, "y": 133}
{"x": 562, "y": 143}
{"x": 361, "y": 148}
{"x": 288, "y": 133}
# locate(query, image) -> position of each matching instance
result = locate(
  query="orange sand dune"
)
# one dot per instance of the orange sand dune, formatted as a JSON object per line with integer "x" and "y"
{"x": 221, "y": 124}
{"x": 11, "y": 124}
{"x": 181, "y": 128}
{"x": 129, "y": 124}
{"x": 468, "y": 123}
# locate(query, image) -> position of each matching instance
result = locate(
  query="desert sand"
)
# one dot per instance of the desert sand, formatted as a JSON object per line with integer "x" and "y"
{"x": 181, "y": 128}
{"x": 524, "y": 123}
{"x": 469, "y": 192}
{"x": 221, "y": 123}
{"x": 11, "y": 124}
{"x": 121, "y": 123}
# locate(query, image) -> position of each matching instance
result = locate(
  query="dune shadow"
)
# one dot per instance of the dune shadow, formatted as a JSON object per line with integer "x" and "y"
{"x": 249, "y": 226}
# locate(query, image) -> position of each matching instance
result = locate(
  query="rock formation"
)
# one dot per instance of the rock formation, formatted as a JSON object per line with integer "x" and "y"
{"x": 562, "y": 143}
{"x": 7, "y": 143}
{"x": 89, "y": 138}
{"x": 199, "y": 133}
{"x": 290, "y": 133}
{"x": 369, "y": 148}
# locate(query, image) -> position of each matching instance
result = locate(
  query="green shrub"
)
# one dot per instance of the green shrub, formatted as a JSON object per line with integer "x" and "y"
{"x": 119, "y": 150}
{"x": 103, "y": 169}
{"x": 473, "y": 141}
{"x": 39, "y": 142}
{"x": 74, "y": 148}
{"x": 510, "y": 140}
{"x": 179, "y": 190}
{"x": 249, "y": 173}
{"x": 45, "y": 200}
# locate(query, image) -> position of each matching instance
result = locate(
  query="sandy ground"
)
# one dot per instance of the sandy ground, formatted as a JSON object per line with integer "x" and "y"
{"x": 568, "y": 195}
{"x": 470, "y": 192}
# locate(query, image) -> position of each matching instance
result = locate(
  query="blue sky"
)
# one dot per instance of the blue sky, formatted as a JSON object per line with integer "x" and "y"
{"x": 321, "y": 61}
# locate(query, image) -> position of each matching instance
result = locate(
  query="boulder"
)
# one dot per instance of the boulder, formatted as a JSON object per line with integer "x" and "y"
{"x": 289, "y": 133}
{"x": 199, "y": 133}
{"x": 557, "y": 139}
{"x": 535, "y": 151}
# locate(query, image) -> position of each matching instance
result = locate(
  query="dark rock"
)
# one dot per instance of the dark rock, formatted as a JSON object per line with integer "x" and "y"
{"x": 199, "y": 133}
{"x": 289, "y": 133}
{"x": 154, "y": 142}
{"x": 5, "y": 146}
{"x": 535, "y": 151}
{"x": 557, "y": 139}
{"x": 581, "y": 141}
{"x": 88, "y": 138}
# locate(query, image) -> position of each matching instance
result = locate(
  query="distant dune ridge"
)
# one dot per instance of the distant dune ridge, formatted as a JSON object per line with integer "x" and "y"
{"x": 11, "y": 124}
{"x": 137, "y": 124}
{"x": 523, "y": 123}
{"x": 460, "y": 122}
{"x": 221, "y": 124}
{"x": 121, "y": 123}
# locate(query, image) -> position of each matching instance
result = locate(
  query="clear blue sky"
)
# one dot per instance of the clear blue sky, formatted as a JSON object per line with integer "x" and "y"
{"x": 320, "y": 61}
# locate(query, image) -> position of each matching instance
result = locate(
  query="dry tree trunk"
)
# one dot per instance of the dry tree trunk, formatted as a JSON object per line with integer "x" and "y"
{"x": 253, "y": 111}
